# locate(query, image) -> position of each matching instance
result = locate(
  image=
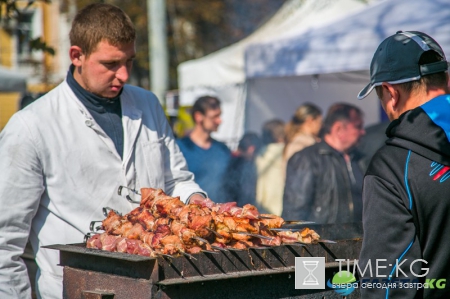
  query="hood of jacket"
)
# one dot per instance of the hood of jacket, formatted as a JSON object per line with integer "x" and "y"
{"x": 424, "y": 130}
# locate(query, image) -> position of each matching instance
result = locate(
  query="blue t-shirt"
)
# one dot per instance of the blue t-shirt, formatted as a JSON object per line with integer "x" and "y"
{"x": 208, "y": 165}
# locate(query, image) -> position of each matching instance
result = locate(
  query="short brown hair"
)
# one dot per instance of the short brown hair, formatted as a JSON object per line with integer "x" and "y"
{"x": 203, "y": 104}
{"x": 101, "y": 21}
{"x": 339, "y": 112}
{"x": 273, "y": 131}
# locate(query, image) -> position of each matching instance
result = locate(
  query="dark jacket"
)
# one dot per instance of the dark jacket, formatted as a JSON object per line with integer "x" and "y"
{"x": 406, "y": 206}
{"x": 319, "y": 186}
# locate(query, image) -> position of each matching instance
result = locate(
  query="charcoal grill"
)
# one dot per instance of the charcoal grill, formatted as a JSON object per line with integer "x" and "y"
{"x": 253, "y": 273}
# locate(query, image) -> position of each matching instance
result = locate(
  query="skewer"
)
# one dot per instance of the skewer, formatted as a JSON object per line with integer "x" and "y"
{"x": 214, "y": 232}
{"x": 207, "y": 242}
{"x": 201, "y": 239}
{"x": 297, "y": 222}
{"x": 219, "y": 248}
{"x": 212, "y": 246}
{"x": 119, "y": 191}
{"x": 265, "y": 217}
{"x": 253, "y": 235}
{"x": 326, "y": 241}
{"x": 87, "y": 236}
{"x": 107, "y": 209}
{"x": 91, "y": 226}
{"x": 214, "y": 249}
{"x": 285, "y": 229}
{"x": 131, "y": 200}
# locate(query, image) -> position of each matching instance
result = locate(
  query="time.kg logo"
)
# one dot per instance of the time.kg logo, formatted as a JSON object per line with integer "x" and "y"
{"x": 343, "y": 283}
{"x": 310, "y": 273}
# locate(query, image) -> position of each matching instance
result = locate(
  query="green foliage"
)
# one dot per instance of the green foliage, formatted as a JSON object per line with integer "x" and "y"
{"x": 11, "y": 11}
{"x": 38, "y": 44}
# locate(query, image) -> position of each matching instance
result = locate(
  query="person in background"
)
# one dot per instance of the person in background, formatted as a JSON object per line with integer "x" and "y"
{"x": 303, "y": 129}
{"x": 270, "y": 168}
{"x": 206, "y": 157}
{"x": 324, "y": 181}
{"x": 240, "y": 178}
{"x": 406, "y": 191}
{"x": 64, "y": 156}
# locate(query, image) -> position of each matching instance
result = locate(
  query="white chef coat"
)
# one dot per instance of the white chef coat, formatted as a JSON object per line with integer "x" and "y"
{"x": 59, "y": 169}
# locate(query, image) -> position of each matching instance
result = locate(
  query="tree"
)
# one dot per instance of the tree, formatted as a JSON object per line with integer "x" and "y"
{"x": 199, "y": 27}
{"x": 11, "y": 12}
{"x": 195, "y": 27}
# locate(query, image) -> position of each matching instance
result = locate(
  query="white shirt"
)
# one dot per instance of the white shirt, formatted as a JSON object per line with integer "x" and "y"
{"x": 59, "y": 169}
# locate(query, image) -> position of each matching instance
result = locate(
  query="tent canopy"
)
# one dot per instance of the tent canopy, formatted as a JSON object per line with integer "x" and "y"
{"x": 331, "y": 63}
{"x": 349, "y": 44}
{"x": 226, "y": 66}
{"x": 222, "y": 73}
{"x": 11, "y": 81}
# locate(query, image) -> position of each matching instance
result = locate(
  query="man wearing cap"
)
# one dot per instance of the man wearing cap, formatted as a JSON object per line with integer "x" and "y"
{"x": 406, "y": 193}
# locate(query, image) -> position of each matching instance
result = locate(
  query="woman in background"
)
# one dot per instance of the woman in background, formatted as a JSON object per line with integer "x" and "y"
{"x": 303, "y": 129}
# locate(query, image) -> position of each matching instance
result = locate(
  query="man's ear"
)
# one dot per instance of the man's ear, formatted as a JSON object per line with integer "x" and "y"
{"x": 394, "y": 95}
{"x": 75, "y": 54}
{"x": 198, "y": 117}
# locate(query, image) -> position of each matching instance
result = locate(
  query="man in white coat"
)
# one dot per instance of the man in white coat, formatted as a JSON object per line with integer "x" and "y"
{"x": 64, "y": 157}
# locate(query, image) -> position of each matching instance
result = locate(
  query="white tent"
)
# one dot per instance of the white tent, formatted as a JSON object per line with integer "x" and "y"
{"x": 222, "y": 73}
{"x": 11, "y": 81}
{"x": 331, "y": 63}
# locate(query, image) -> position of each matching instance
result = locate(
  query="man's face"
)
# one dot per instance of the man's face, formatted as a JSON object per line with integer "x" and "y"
{"x": 211, "y": 120}
{"x": 106, "y": 70}
{"x": 353, "y": 131}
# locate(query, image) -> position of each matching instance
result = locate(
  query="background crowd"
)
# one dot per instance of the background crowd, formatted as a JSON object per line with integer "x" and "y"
{"x": 310, "y": 168}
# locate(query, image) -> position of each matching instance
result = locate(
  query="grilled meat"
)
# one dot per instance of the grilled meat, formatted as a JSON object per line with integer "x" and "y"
{"x": 165, "y": 225}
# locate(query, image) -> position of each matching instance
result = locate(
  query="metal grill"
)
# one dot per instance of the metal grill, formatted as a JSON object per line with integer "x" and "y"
{"x": 252, "y": 273}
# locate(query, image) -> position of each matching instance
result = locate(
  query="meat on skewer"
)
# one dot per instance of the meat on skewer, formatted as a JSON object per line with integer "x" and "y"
{"x": 165, "y": 225}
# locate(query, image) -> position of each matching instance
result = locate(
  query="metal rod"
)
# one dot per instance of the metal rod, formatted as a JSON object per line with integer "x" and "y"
{"x": 92, "y": 225}
{"x": 265, "y": 217}
{"x": 218, "y": 248}
{"x": 297, "y": 222}
{"x": 87, "y": 236}
{"x": 107, "y": 209}
{"x": 214, "y": 232}
{"x": 131, "y": 200}
{"x": 119, "y": 191}
{"x": 327, "y": 241}
{"x": 200, "y": 239}
{"x": 254, "y": 235}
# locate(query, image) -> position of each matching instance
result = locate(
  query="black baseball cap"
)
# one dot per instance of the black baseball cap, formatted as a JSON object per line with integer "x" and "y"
{"x": 397, "y": 60}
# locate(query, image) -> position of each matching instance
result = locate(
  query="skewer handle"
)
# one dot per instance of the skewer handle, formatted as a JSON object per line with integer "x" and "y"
{"x": 119, "y": 190}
